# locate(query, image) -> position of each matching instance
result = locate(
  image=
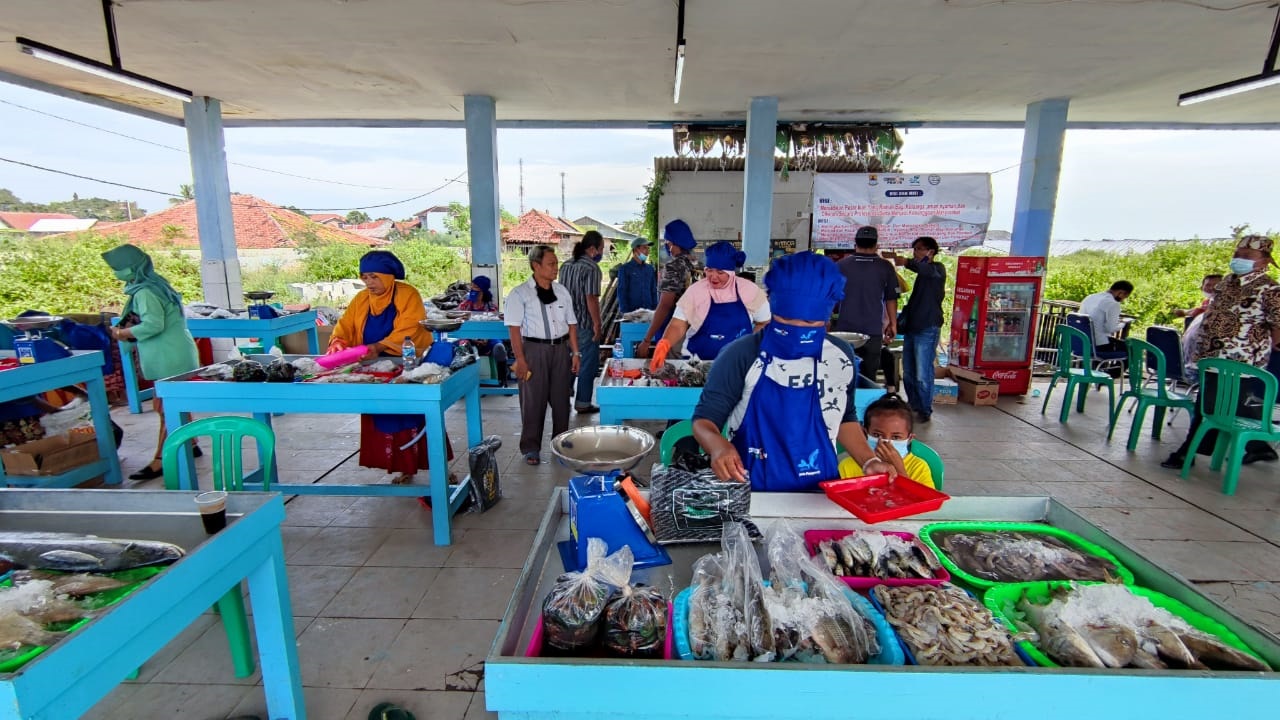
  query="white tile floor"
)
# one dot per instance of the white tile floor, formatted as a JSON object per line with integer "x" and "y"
{"x": 382, "y": 614}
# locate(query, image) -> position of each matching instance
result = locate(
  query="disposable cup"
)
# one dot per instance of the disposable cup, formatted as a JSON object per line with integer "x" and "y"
{"x": 213, "y": 510}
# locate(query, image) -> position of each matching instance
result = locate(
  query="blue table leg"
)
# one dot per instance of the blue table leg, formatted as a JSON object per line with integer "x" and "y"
{"x": 131, "y": 391}
{"x": 438, "y": 459}
{"x": 101, "y": 409}
{"x": 607, "y": 417}
{"x": 273, "y": 623}
{"x": 313, "y": 341}
{"x": 475, "y": 429}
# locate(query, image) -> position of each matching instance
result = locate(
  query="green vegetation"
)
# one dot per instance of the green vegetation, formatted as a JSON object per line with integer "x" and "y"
{"x": 100, "y": 208}
{"x": 355, "y": 217}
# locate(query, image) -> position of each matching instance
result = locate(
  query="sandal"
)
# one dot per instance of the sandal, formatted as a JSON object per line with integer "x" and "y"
{"x": 532, "y": 459}
{"x": 390, "y": 711}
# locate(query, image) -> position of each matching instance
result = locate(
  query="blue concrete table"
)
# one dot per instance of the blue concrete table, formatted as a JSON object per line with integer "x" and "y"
{"x": 67, "y": 680}
{"x": 486, "y": 330}
{"x": 631, "y": 333}
{"x": 82, "y": 367}
{"x": 269, "y": 331}
{"x": 182, "y": 397}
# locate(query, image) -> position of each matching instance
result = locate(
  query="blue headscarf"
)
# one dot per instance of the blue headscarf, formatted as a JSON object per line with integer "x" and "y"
{"x": 678, "y": 233}
{"x": 804, "y": 286}
{"x": 381, "y": 261}
{"x": 724, "y": 256}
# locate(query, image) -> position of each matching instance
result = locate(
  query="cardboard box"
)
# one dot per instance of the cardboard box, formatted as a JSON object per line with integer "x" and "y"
{"x": 52, "y": 455}
{"x": 975, "y": 388}
{"x": 946, "y": 392}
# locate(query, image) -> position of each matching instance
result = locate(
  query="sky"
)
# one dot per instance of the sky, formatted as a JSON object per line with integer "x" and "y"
{"x": 1114, "y": 184}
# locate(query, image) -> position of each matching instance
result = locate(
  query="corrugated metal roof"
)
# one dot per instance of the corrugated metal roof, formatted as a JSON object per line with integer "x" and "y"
{"x": 710, "y": 162}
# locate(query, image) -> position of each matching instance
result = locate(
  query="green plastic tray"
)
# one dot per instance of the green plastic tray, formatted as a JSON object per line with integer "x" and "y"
{"x": 1002, "y": 601}
{"x": 958, "y": 573}
{"x": 136, "y": 578}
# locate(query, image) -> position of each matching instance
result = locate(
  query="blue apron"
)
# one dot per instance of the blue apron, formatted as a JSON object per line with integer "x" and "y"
{"x": 725, "y": 322}
{"x": 783, "y": 440}
{"x": 376, "y": 329}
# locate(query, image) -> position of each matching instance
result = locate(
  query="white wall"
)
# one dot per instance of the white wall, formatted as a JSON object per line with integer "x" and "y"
{"x": 711, "y": 202}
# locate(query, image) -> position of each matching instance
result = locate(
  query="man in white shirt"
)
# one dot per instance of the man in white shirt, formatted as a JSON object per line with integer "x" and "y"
{"x": 1103, "y": 309}
{"x": 544, "y": 341}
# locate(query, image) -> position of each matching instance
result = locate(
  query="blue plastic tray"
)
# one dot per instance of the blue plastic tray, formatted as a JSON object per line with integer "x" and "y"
{"x": 906, "y": 651}
{"x": 890, "y": 648}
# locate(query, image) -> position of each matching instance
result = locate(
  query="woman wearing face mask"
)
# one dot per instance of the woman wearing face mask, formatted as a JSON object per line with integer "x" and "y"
{"x": 152, "y": 317}
{"x": 890, "y": 430}
{"x": 716, "y": 310}
{"x": 480, "y": 299}
{"x": 786, "y": 393}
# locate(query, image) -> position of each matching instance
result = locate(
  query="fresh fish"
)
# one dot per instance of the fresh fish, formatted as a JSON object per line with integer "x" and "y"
{"x": 1218, "y": 655}
{"x": 17, "y": 631}
{"x": 37, "y": 601}
{"x": 1169, "y": 646}
{"x": 1003, "y": 556}
{"x": 943, "y": 625}
{"x": 75, "y": 585}
{"x": 1057, "y": 638}
{"x": 869, "y": 553}
{"x": 1147, "y": 660}
{"x": 70, "y": 552}
{"x": 1113, "y": 644}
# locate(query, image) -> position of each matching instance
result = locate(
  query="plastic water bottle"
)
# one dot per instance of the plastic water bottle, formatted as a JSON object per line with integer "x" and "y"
{"x": 943, "y": 357}
{"x": 617, "y": 349}
{"x": 409, "y": 354}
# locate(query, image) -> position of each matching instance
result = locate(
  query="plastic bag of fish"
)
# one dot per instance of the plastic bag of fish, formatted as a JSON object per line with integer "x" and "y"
{"x": 727, "y": 618}
{"x": 873, "y": 554}
{"x": 1108, "y": 626}
{"x": 1011, "y": 557}
{"x": 944, "y": 625}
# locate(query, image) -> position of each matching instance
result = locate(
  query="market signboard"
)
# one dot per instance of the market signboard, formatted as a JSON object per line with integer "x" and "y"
{"x": 951, "y": 208}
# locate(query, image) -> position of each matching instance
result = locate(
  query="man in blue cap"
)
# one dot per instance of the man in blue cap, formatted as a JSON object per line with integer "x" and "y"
{"x": 677, "y": 275}
{"x": 786, "y": 393}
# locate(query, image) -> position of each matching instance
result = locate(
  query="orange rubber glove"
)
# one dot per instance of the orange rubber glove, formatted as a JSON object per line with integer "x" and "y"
{"x": 659, "y": 355}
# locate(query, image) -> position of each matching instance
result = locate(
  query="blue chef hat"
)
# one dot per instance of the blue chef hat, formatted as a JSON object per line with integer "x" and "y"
{"x": 678, "y": 232}
{"x": 381, "y": 261}
{"x": 804, "y": 286}
{"x": 724, "y": 256}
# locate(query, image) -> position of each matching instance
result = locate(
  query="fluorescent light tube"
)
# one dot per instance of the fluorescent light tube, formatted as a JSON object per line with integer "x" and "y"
{"x": 679, "y": 70}
{"x": 93, "y": 67}
{"x": 1234, "y": 87}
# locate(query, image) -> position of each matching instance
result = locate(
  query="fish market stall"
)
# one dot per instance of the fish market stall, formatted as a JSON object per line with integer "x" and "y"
{"x": 85, "y": 367}
{"x": 192, "y": 393}
{"x": 82, "y": 666}
{"x": 268, "y": 331}
{"x": 629, "y": 391}
{"x": 529, "y": 679}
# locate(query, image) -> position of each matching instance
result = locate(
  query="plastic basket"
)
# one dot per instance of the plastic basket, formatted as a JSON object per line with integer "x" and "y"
{"x": 1070, "y": 538}
{"x": 906, "y": 650}
{"x": 876, "y": 498}
{"x": 813, "y": 537}
{"x": 1003, "y": 599}
{"x": 136, "y": 578}
{"x": 890, "y": 649}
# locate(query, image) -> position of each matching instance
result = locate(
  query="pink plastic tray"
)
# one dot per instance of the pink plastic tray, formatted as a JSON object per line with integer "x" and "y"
{"x": 940, "y": 575}
{"x": 535, "y": 640}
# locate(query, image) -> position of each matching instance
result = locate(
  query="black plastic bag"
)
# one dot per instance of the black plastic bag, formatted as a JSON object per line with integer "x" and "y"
{"x": 483, "y": 463}
{"x": 694, "y": 507}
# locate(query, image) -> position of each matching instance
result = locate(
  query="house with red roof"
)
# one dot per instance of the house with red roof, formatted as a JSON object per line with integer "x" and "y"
{"x": 537, "y": 227}
{"x": 328, "y": 218}
{"x": 23, "y": 221}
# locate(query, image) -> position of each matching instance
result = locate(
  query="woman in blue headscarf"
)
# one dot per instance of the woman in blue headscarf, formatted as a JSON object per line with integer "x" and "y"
{"x": 153, "y": 318}
{"x": 786, "y": 393}
{"x": 381, "y": 316}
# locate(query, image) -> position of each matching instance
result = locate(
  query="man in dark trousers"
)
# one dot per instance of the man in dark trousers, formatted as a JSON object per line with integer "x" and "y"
{"x": 871, "y": 288}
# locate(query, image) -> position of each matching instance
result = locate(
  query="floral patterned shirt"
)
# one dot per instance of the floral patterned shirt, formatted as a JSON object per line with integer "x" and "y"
{"x": 1237, "y": 326}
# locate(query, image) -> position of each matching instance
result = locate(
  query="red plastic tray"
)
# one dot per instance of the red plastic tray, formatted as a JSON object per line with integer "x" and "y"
{"x": 857, "y": 582}
{"x": 876, "y": 498}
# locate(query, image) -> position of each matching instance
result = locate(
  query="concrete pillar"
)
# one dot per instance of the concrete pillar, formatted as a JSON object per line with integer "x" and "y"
{"x": 1038, "y": 182}
{"x": 219, "y": 263}
{"x": 757, "y": 200}
{"x": 482, "y": 188}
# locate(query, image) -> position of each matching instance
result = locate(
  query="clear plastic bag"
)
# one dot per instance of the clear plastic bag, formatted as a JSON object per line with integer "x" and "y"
{"x": 708, "y": 576}
{"x": 572, "y": 611}
{"x": 746, "y": 588}
{"x": 635, "y": 623}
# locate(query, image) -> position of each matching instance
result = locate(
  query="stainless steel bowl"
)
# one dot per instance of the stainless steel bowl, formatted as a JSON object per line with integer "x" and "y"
{"x": 32, "y": 322}
{"x": 441, "y": 325}
{"x": 857, "y": 340}
{"x": 601, "y": 448}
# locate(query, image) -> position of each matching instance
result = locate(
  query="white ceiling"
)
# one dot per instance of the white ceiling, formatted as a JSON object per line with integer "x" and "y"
{"x": 410, "y": 61}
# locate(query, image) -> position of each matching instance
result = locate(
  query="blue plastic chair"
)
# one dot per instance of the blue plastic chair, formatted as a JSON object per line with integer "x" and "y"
{"x": 1073, "y": 344}
{"x": 1101, "y": 359}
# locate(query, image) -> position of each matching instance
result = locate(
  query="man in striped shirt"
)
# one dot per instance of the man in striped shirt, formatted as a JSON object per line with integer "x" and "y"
{"x": 581, "y": 276}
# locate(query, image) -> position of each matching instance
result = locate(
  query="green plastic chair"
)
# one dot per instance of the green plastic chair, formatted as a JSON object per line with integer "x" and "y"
{"x": 1233, "y": 431}
{"x": 1073, "y": 344}
{"x": 1152, "y": 391}
{"x": 226, "y": 435}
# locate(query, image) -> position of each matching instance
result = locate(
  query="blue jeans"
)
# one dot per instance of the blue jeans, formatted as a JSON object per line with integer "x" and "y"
{"x": 918, "y": 351}
{"x": 588, "y": 369}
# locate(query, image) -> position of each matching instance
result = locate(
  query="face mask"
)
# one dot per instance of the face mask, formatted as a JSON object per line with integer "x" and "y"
{"x": 789, "y": 342}
{"x": 595, "y": 258}
{"x": 124, "y": 275}
{"x": 473, "y": 296}
{"x": 1241, "y": 266}
{"x": 665, "y": 254}
{"x": 902, "y": 446}
{"x": 643, "y": 257}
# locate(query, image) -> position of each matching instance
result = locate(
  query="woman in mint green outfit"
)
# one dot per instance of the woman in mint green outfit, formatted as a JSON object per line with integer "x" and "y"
{"x": 152, "y": 317}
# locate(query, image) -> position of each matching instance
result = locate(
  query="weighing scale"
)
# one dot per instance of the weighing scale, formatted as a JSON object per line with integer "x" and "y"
{"x": 32, "y": 346}
{"x": 259, "y": 309}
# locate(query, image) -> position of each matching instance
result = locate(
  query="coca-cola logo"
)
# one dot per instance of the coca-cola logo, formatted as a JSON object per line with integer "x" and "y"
{"x": 1004, "y": 375}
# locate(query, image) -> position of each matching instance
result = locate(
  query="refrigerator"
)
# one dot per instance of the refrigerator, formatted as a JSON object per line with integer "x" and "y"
{"x": 997, "y": 301}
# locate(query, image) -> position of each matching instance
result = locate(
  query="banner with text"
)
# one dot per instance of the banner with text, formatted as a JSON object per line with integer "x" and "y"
{"x": 950, "y": 208}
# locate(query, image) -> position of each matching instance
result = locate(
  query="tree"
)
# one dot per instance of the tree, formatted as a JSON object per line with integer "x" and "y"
{"x": 294, "y": 209}
{"x": 457, "y": 220}
{"x": 506, "y": 217}
{"x": 355, "y": 217}
{"x": 185, "y": 193}
{"x": 635, "y": 226}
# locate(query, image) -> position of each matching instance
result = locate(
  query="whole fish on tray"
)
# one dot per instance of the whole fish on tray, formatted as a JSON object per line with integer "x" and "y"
{"x": 870, "y": 553}
{"x": 17, "y": 631}
{"x": 1011, "y": 557}
{"x": 75, "y": 585}
{"x": 71, "y": 552}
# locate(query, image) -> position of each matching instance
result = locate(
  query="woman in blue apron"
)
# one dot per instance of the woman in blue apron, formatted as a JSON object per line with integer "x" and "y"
{"x": 381, "y": 316}
{"x": 786, "y": 394}
{"x": 716, "y": 310}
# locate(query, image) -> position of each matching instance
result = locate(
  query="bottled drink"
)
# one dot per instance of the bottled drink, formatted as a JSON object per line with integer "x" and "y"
{"x": 617, "y": 348}
{"x": 943, "y": 357}
{"x": 409, "y": 354}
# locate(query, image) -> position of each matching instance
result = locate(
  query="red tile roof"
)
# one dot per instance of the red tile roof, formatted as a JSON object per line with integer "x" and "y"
{"x": 536, "y": 227}
{"x": 259, "y": 225}
{"x": 327, "y": 218}
{"x": 24, "y": 220}
{"x": 408, "y": 226}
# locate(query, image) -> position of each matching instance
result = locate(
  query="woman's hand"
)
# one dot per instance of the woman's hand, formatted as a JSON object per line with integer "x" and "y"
{"x": 726, "y": 463}
{"x": 889, "y": 454}
{"x": 371, "y": 354}
{"x": 121, "y": 334}
{"x": 335, "y": 345}
{"x": 876, "y": 466}
{"x": 642, "y": 349}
